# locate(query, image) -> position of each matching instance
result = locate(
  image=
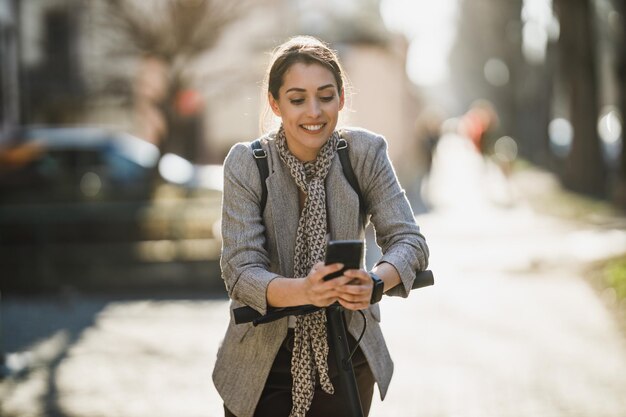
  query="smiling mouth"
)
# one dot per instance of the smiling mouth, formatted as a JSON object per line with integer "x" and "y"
{"x": 313, "y": 128}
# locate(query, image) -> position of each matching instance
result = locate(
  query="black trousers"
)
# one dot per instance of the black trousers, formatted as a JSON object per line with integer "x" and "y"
{"x": 275, "y": 399}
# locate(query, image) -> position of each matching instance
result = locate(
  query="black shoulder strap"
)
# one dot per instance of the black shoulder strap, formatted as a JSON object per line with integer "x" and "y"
{"x": 260, "y": 157}
{"x": 348, "y": 172}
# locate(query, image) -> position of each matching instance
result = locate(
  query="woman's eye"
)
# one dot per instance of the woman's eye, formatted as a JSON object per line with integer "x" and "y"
{"x": 327, "y": 99}
{"x": 297, "y": 101}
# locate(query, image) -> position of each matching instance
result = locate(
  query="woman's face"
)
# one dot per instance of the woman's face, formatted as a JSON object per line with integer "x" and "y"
{"x": 308, "y": 104}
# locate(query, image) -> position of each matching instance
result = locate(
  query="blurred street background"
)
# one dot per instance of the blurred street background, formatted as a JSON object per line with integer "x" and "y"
{"x": 505, "y": 125}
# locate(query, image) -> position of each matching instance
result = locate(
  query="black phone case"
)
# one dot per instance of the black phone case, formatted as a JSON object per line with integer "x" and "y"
{"x": 347, "y": 252}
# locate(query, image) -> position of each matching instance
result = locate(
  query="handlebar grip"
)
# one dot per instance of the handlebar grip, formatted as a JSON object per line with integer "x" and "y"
{"x": 423, "y": 279}
{"x": 245, "y": 314}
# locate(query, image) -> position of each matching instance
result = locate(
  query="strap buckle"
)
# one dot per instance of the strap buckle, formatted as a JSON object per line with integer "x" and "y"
{"x": 259, "y": 153}
{"x": 342, "y": 144}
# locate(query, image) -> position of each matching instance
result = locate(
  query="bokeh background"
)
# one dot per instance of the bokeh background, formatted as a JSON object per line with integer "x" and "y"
{"x": 505, "y": 126}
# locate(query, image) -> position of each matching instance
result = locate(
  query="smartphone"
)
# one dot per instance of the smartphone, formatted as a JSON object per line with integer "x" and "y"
{"x": 347, "y": 252}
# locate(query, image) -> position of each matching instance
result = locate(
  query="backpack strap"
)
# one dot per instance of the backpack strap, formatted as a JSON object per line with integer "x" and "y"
{"x": 348, "y": 172}
{"x": 260, "y": 157}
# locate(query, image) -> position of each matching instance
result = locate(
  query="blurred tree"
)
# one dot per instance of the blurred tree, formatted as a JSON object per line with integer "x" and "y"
{"x": 621, "y": 72}
{"x": 584, "y": 169}
{"x": 535, "y": 88}
{"x": 486, "y": 58}
{"x": 168, "y": 35}
{"x": 9, "y": 68}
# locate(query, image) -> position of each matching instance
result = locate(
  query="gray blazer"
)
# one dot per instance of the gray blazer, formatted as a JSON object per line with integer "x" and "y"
{"x": 258, "y": 247}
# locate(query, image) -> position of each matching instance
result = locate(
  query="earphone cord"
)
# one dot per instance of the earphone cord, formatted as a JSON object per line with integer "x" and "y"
{"x": 360, "y": 337}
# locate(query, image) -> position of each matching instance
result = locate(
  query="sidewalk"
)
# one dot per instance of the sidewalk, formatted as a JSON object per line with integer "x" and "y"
{"x": 511, "y": 327}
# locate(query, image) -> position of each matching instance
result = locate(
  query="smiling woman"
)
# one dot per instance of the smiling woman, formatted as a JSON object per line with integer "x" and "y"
{"x": 273, "y": 249}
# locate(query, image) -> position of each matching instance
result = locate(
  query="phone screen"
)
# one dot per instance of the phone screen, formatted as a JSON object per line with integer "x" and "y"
{"x": 347, "y": 252}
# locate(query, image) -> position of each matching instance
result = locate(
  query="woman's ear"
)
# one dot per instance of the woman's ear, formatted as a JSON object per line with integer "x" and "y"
{"x": 273, "y": 104}
{"x": 342, "y": 99}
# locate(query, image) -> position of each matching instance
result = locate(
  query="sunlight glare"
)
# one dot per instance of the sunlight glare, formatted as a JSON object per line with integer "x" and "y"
{"x": 430, "y": 28}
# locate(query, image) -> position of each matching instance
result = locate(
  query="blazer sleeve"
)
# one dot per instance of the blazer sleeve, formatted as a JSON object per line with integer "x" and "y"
{"x": 244, "y": 261}
{"x": 397, "y": 234}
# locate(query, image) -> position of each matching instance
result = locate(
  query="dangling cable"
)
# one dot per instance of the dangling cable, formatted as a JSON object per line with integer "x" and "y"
{"x": 360, "y": 337}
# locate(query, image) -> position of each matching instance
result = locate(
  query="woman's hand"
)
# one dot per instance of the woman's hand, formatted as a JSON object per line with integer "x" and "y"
{"x": 353, "y": 290}
{"x": 324, "y": 293}
{"x": 357, "y": 292}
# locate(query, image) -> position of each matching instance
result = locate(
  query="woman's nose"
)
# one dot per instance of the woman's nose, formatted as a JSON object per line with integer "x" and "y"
{"x": 313, "y": 108}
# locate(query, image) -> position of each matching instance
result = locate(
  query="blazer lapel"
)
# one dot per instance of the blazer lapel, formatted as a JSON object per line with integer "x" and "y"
{"x": 282, "y": 193}
{"x": 342, "y": 204}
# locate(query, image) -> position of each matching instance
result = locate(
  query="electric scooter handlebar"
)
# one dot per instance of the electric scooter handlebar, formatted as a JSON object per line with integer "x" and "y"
{"x": 248, "y": 314}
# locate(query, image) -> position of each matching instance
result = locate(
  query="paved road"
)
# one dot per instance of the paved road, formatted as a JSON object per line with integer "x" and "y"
{"x": 511, "y": 328}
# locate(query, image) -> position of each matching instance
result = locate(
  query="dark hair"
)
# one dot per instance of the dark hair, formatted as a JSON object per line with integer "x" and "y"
{"x": 302, "y": 49}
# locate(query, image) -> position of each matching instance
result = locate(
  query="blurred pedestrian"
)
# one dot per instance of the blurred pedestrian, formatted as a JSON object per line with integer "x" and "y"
{"x": 428, "y": 130}
{"x": 479, "y": 124}
{"x": 272, "y": 255}
{"x": 427, "y": 133}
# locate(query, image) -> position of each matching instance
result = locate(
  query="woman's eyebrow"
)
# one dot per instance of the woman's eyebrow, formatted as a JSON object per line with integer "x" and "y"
{"x": 302, "y": 90}
{"x": 324, "y": 87}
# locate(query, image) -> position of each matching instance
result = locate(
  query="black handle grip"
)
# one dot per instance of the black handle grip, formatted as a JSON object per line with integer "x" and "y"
{"x": 248, "y": 314}
{"x": 423, "y": 279}
{"x": 245, "y": 315}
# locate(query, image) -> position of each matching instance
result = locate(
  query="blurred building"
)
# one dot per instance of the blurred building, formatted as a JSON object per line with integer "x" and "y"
{"x": 62, "y": 58}
{"x": 55, "y": 67}
{"x": 51, "y": 71}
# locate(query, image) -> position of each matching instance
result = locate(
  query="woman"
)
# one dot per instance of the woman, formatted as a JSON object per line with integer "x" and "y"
{"x": 273, "y": 256}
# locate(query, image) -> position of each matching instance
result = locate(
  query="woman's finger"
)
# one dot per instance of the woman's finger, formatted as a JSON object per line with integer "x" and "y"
{"x": 320, "y": 270}
{"x": 353, "y": 305}
{"x": 359, "y": 275}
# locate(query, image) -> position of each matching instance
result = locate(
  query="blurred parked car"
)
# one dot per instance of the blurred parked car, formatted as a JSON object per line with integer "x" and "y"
{"x": 44, "y": 164}
{"x": 95, "y": 208}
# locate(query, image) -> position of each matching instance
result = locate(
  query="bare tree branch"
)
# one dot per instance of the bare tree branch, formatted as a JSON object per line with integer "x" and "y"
{"x": 169, "y": 35}
{"x": 171, "y": 29}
